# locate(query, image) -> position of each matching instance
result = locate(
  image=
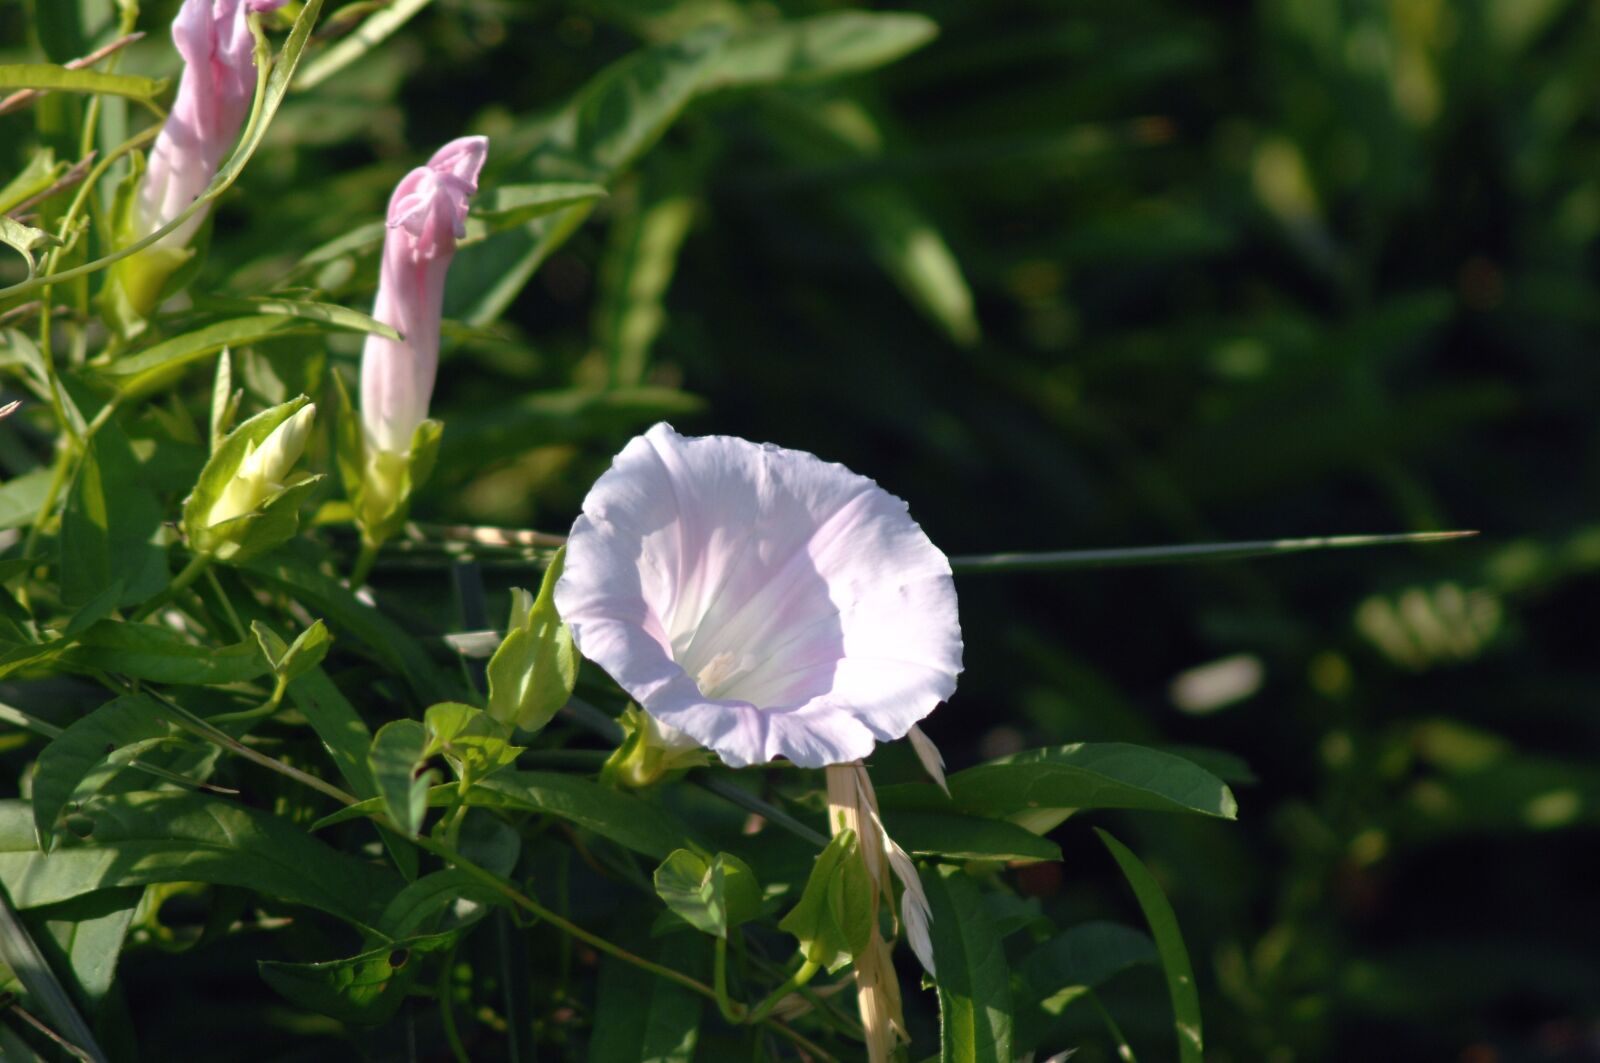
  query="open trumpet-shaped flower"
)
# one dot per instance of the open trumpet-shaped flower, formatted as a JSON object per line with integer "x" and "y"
{"x": 762, "y": 601}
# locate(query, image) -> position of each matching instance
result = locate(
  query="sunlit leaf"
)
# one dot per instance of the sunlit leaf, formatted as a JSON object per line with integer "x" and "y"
{"x": 1169, "y": 943}
{"x": 974, "y": 982}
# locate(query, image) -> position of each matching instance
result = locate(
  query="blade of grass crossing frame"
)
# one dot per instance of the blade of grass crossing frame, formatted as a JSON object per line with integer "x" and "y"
{"x": 1127, "y": 557}
{"x": 19, "y": 952}
{"x": 1169, "y": 944}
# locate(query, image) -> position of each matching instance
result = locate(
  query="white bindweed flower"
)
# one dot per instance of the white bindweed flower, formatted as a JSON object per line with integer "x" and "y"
{"x": 760, "y": 600}
{"x": 265, "y": 468}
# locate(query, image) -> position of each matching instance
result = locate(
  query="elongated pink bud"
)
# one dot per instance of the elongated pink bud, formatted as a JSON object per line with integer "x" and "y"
{"x": 427, "y": 214}
{"x": 214, "y": 94}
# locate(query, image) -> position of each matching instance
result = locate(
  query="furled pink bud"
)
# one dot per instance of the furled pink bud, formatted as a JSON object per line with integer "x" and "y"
{"x": 214, "y": 95}
{"x": 427, "y": 214}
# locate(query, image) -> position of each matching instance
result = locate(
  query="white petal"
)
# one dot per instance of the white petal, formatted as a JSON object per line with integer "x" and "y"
{"x": 763, "y": 601}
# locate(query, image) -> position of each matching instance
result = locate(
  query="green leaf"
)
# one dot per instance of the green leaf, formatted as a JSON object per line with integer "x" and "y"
{"x": 961, "y": 837}
{"x": 1085, "y": 775}
{"x": 21, "y": 955}
{"x": 41, "y": 172}
{"x": 135, "y": 839}
{"x": 84, "y": 756}
{"x": 1169, "y": 943}
{"x": 161, "y": 655}
{"x": 344, "y": 734}
{"x": 48, "y": 77}
{"x": 346, "y": 613}
{"x": 642, "y": 1018}
{"x": 476, "y": 745}
{"x": 630, "y": 822}
{"x": 25, "y": 655}
{"x": 710, "y": 895}
{"x": 416, "y": 908}
{"x": 1084, "y": 958}
{"x": 627, "y": 820}
{"x": 836, "y": 913}
{"x": 345, "y": 737}
{"x": 295, "y": 660}
{"x": 224, "y": 399}
{"x": 327, "y": 316}
{"x": 642, "y": 251}
{"x": 549, "y": 417}
{"x": 974, "y": 982}
{"x": 902, "y": 238}
{"x": 141, "y": 372}
{"x": 365, "y": 989}
{"x": 396, "y": 758}
{"x": 111, "y": 525}
{"x": 21, "y": 497}
{"x": 613, "y": 120}
{"x": 89, "y": 934}
{"x": 820, "y": 47}
{"x": 532, "y": 673}
{"x": 623, "y": 111}
{"x": 508, "y": 205}
{"x": 357, "y": 43}
{"x": 25, "y": 239}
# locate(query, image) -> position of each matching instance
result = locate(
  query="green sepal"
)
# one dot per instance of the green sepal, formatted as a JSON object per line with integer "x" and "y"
{"x": 475, "y": 745}
{"x": 532, "y": 673}
{"x": 380, "y": 483}
{"x": 137, "y": 285}
{"x": 642, "y": 760}
{"x": 275, "y": 521}
{"x": 835, "y": 916}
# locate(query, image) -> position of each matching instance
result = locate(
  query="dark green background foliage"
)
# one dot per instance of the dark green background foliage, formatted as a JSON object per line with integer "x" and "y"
{"x": 1070, "y": 275}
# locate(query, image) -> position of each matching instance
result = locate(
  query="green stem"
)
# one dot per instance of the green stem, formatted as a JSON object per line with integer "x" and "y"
{"x": 458, "y": 810}
{"x": 447, "y": 1015}
{"x": 533, "y": 907}
{"x": 233, "y": 617}
{"x": 180, "y": 583}
{"x": 58, "y": 480}
{"x": 205, "y": 729}
{"x": 1124, "y": 1050}
{"x": 364, "y": 562}
{"x": 807, "y": 971}
{"x": 734, "y": 1013}
{"x": 1187, "y": 554}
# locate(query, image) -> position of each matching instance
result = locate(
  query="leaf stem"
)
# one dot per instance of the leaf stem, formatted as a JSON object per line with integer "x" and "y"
{"x": 364, "y": 563}
{"x": 447, "y": 1015}
{"x": 533, "y": 907}
{"x": 192, "y": 571}
{"x": 732, "y": 1012}
{"x": 807, "y": 971}
{"x": 205, "y": 729}
{"x": 1124, "y": 1050}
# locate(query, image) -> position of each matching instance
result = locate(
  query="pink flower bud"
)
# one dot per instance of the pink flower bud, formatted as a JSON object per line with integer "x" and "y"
{"x": 427, "y": 214}
{"x": 214, "y": 95}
